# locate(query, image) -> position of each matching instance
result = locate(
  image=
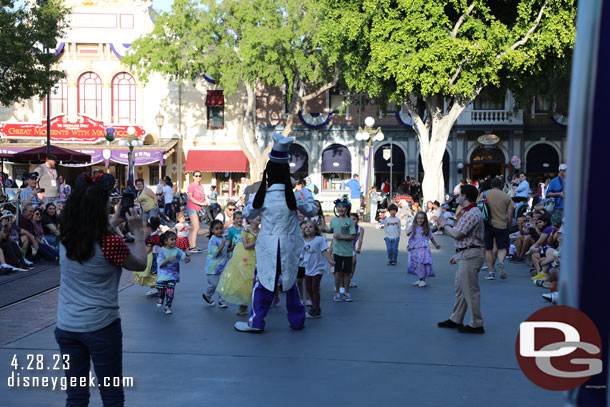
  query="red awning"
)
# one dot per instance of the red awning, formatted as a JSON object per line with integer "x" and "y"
{"x": 216, "y": 161}
{"x": 215, "y": 98}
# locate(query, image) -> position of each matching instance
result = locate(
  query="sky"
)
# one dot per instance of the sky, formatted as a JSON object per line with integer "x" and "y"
{"x": 163, "y": 5}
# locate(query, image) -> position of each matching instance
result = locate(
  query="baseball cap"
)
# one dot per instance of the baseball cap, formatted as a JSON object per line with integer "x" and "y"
{"x": 445, "y": 206}
{"x": 563, "y": 167}
{"x": 52, "y": 157}
{"x": 6, "y": 213}
{"x": 32, "y": 175}
{"x": 308, "y": 179}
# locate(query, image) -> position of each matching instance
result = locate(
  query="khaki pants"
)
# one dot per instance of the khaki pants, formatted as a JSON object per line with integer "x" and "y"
{"x": 467, "y": 292}
{"x": 355, "y": 206}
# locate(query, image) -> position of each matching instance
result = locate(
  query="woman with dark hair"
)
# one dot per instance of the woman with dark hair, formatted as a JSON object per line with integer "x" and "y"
{"x": 50, "y": 224}
{"x": 147, "y": 200}
{"x": 279, "y": 241}
{"x": 92, "y": 259}
{"x": 45, "y": 250}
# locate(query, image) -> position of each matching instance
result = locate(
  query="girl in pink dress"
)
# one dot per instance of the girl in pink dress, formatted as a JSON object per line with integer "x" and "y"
{"x": 420, "y": 256}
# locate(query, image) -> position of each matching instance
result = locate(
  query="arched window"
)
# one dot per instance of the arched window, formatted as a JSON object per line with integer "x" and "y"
{"x": 90, "y": 95}
{"x": 384, "y": 156}
{"x": 336, "y": 167}
{"x": 123, "y": 98}
{"x": 59, "y": 99}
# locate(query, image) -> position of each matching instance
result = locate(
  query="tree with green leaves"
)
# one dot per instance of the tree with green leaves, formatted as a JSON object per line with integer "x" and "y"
{"x": 26, "y": 66}
{"x": 424, "y": 53}
{"x": 241, "y": 44}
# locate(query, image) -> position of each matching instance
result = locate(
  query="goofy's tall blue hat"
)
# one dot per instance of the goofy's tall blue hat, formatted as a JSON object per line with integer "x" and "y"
{"x": 279, "y": 154}
{"x": 277, "y": 171}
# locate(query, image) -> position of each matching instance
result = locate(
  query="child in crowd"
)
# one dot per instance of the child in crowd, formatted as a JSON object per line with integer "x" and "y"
{"x": 314, "y": 252}
{"x": 168, "y": 272}
{"x": 235, "y": 285}
{"x": 234, "y": 233}
{"x": 216, "y": 262}
{"x": 9, "y": 248}
{"x": 182, "y": 230}
{"x": 344, "y": 231}
{"x": 301, "y": 271}
{"x": 420, "y": 257}
{"x": 148, "y": 277}
{"x": 391, "y": 225}
{"x": 357, "y": 247}
{"x": 319, "y": 218}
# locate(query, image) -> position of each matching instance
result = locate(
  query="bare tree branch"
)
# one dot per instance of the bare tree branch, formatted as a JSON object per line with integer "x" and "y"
{"x": 323, "y": 88}
{"x": 459, "y": 69}
{"x": 524, "y": 40}
{"x": 460, "y": 21}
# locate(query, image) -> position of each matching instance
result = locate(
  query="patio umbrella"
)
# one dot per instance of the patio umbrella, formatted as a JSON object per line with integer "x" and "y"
{"x": 39, "y": 154}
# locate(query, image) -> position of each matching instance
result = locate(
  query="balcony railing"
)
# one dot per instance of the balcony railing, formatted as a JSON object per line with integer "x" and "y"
{"x": 479, "y": 117}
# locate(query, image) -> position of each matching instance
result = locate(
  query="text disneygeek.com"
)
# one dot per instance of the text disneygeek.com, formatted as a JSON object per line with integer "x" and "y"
{"x": 17, "y": 380}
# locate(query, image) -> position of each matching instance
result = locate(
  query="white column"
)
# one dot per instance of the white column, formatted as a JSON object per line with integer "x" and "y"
{"x": 72, "y": 98}
{"x": 106, "y": 103}
{"x": 140, "y": 119}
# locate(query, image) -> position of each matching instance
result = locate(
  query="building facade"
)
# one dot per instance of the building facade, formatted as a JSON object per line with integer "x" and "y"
{"x": 99, "y": 93}
{"x": 489, "y": 138}
{"x": 198, "y": 130}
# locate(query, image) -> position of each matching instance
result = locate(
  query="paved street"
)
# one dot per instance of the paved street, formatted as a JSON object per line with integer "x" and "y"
{"x": 382, "y": 349}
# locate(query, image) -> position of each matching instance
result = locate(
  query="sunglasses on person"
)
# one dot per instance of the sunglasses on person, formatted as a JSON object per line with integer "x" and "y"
{"x": 230, "y": 209}
{"x": 197, "y": 176}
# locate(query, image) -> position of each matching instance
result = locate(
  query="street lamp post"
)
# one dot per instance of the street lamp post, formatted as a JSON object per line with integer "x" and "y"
{"x": 369, "y": 134}
{"x": 131, "y": 142}
{"x": 160, "y": 119}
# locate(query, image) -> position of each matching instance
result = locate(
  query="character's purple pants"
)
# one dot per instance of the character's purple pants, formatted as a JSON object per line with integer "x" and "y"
{"x": 262, "y": 299}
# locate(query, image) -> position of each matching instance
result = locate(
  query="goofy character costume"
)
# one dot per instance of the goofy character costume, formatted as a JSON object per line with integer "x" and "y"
{"x": 280, "y": 240}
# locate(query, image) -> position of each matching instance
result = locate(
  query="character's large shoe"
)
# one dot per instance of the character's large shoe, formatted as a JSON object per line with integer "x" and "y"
{"x": 244, "y": 327}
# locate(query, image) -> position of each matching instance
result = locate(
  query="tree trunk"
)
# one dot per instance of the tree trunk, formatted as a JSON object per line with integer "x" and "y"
{"x": 433, "y": 137}
{"x": 246, "y": 135}
{"x": 433, "y": 185}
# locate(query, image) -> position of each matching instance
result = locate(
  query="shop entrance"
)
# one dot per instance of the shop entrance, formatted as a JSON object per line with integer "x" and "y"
{"x": 486, "y": 160}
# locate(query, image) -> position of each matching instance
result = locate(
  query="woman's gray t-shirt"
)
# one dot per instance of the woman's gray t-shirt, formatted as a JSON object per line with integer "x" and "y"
{"x": 89, "y": 292}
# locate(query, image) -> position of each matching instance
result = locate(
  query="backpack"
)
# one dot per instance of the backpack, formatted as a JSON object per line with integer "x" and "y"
{"x": 483, "y": 206}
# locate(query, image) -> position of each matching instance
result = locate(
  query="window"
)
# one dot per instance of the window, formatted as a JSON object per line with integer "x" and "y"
{"x": 215, "y": 102}
{"x": 336, "y": 167}
{"x": 489, "y": 100}
{"x": 154, "y": 175}
{"x": 216, "y": 117}
{"x": 392, "y": 108}
{"x": 543, "y": 103}
{"x": 337, "y": 103}
{"x": 59, "y": 99}
{"x": 90, "y": 95}
{"x": 123, "y": 98}
{"x": 335, "y": 181}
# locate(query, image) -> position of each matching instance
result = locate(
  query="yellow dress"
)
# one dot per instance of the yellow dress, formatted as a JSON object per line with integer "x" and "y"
{"x": 236, "y": 281}
{"x": 145, "y": 278}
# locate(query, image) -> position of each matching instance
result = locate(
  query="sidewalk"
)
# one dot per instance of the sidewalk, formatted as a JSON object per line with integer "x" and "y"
{"x": 382, "y": 349}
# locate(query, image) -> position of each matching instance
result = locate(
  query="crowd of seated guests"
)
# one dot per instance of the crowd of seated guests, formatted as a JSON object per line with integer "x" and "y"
{"x": 31, "y": 240}
{"x": 540, "y": 241}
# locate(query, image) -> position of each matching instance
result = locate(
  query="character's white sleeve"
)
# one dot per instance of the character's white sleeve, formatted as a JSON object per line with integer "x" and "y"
{"x": 249, "y": 212}
{"x": 305, "y": 203}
